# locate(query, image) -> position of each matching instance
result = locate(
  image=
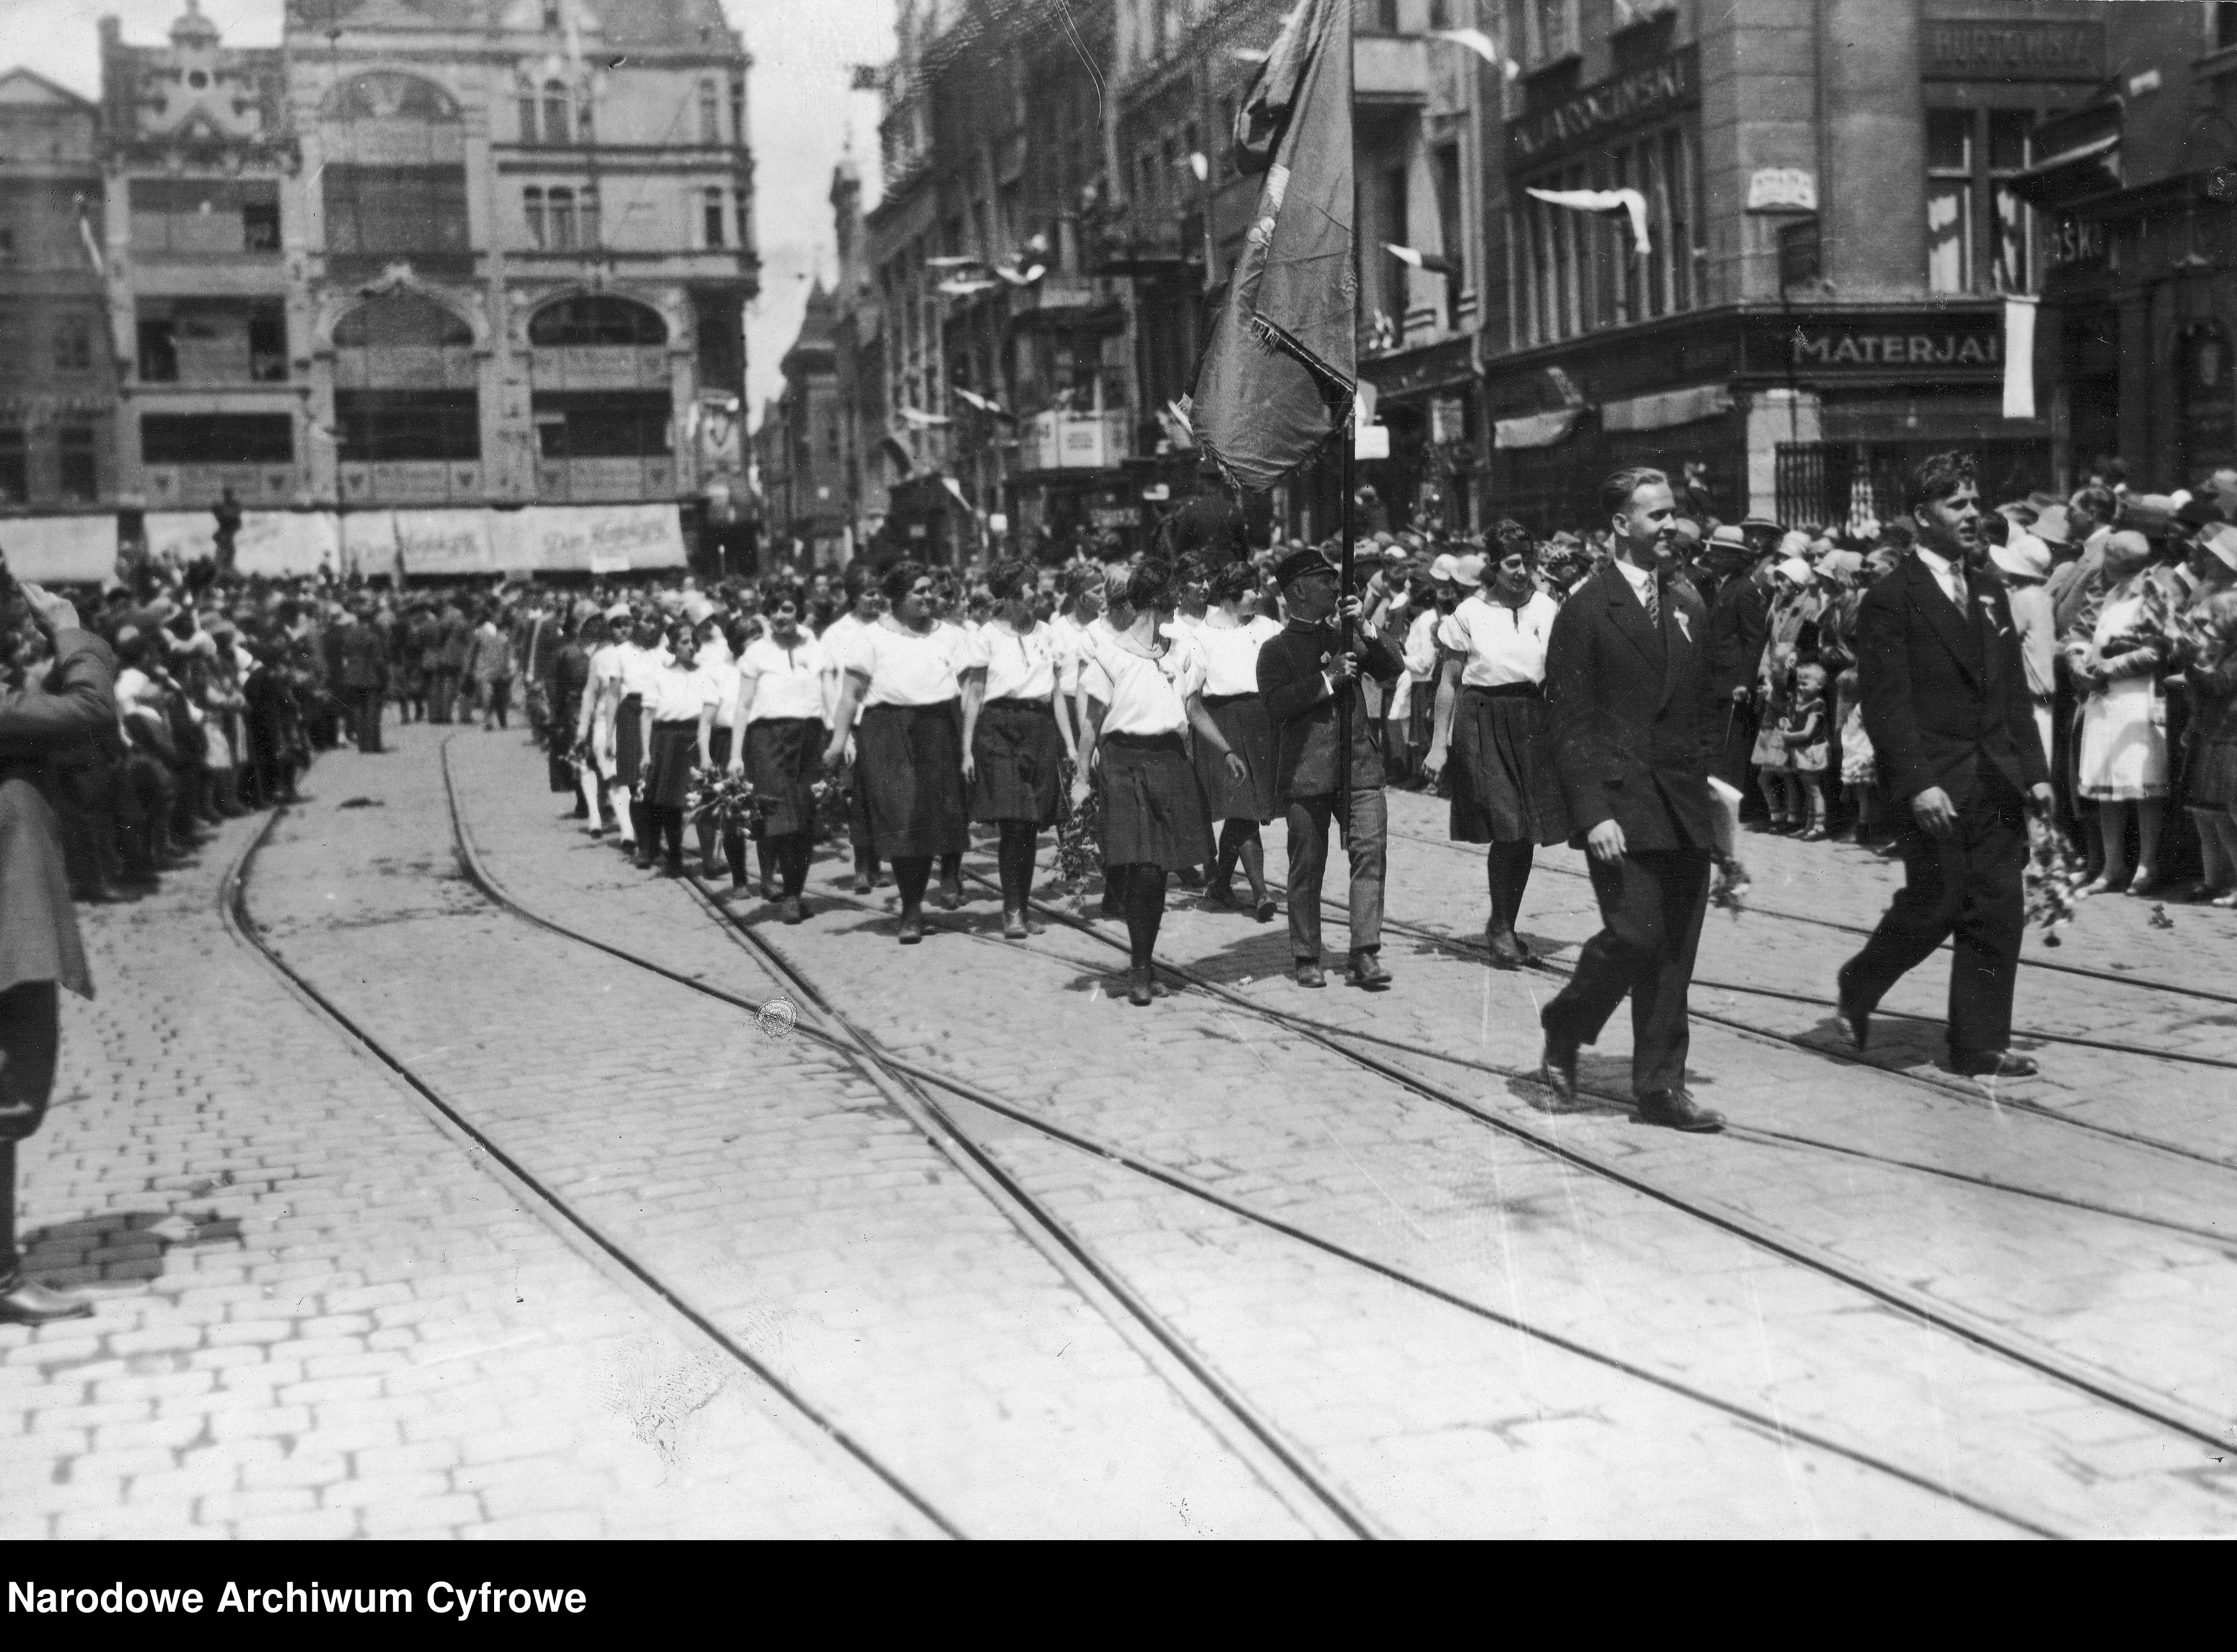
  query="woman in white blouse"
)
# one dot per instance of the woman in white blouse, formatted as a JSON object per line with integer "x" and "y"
{"x": 1229, "y": 640}
{"x": 1490, "y": 717}
{"x": 903, "y": 670}
{"x": 1015, "y": 740}
{"x": 1154, "y": 817}
{"x": 783, "y": 707}
{"x": 717, "y": 735}
{"x": 674, "y": 697}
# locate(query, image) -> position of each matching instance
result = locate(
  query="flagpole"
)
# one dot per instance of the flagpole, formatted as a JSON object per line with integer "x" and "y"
{"x": 1350, "y": 440}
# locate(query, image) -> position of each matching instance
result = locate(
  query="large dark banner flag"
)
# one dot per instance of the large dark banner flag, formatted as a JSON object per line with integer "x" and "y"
{"x": 1277, "y": 379}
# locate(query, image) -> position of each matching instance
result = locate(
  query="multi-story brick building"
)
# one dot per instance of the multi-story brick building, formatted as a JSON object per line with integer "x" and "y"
{"x": 58, "y": 370}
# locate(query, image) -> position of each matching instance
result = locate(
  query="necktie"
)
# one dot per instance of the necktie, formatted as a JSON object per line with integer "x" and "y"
{"x": 1647, "y": 595}
{"x": 1958, "y": 592}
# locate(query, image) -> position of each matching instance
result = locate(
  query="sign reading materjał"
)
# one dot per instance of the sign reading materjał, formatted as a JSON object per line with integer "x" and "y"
{"x": 1989, "y": 49}
{"x": 1927, "y": 345}
{"x": 1620, "y": 101}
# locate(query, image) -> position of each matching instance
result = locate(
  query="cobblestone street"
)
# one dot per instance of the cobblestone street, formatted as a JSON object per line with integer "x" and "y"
{"x": 493, "y": 1204}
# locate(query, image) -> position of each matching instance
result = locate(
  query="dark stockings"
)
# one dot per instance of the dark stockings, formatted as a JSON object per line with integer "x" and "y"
{"x": 1507, "y": 868}
{"x": 911, "y": 874}
{"x": 1239, "y": 839}
{"x": 765, "y": 849}
{"x": 1015, "y": 858}
{"x": 1145, "y": 897}
{"x": 793, "y": 850}
{"x": 667, "y": 833}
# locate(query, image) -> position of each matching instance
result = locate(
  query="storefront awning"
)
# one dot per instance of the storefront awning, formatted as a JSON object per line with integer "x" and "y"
{"x": 1535, "y": 430}
{"x": 2076, "y": 174}
{"x": 1666, "y": 408}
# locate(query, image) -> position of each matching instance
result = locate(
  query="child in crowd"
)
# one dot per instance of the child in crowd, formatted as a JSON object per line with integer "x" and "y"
{"x": 1860, "y": 770}
{"x": 1770, "y": 754}
{"x": 1803, "y": 729}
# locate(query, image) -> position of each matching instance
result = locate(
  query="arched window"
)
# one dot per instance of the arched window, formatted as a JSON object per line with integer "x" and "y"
{"x": 596, "y": 318}
{"x": 556, "y": 128}
{"x": 401, "y": 320}
{"x": 404, "y": 377}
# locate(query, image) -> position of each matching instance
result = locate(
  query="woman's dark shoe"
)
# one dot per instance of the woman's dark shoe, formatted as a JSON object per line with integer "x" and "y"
{"x": 1016, "y": 926}
{"x": 951, "y": 894}
{"x": 1994, "y": 1064}
{"x": 1507, "y": 953}
{"x": 1221, "y": 895}
{"x": 1267, "y": 910}
{"x": 791, "y": 910}
{"x": 1139, "y": 989}
{"x": 911, "y": 928}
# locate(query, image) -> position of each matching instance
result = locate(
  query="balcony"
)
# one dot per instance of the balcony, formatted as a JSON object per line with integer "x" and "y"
{"x": 1056, "y": 441}
{"x": 1390, "y": 68}
{"x": 1069, "y": 301}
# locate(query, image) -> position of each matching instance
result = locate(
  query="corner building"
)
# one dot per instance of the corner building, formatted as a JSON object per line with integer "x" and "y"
{"x": 525, "y": 256}
{"x": 1838, "y": 207}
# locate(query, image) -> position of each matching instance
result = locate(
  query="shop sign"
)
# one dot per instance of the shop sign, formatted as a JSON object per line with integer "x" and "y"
{"x": 2075, "y": 240}
{"x": 1932, "y": 346}
{"x": 1114, "y": 517}
{"x": 1990, "y": 48}
{"x": 1447, "y": 420}
{"x": 1782, "y": 189}
{"x": 1621, "y": 101}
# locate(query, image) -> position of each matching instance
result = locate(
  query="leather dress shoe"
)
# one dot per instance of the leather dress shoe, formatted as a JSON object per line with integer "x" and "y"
{"x": 1365, "y": 969}
{"x": 1309, "y": 973}
{"x": 1557, "y": 1070}
{"x": 1139, "y": 991}
{"x": 912, "y": 930}
{"x": 1675, "y": 1109}
{"x": 1016, "y": 926}
{"x": 790, "y": 911}
{"x": 1994, "y": 1064}
{"x": 1855, "y": 1018}
{"x": 25, "y": 1303}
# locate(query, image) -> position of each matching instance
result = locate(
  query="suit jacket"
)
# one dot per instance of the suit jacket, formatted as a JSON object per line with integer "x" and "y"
{"x": 1632, "y": 718}
{"x": 74, "y": 708}
{"x": 361, "y": 655}
{"x": 1739, "y": 625}
{"x": 1306, "y": 716}
{"x": 1942, "y": 692}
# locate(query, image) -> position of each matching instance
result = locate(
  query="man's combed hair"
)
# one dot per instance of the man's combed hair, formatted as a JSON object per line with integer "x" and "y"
{"x": 1616, "y": 491}
{"x": 1939, "y": 474}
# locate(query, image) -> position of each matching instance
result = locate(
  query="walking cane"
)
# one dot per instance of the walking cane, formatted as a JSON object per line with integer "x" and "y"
{"x": 1346, "y": 694}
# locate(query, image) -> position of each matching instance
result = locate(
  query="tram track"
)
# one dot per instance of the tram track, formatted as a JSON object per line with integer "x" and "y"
{"x": 2103, "y": 1385}
{"x": 668, "y": 1303}
{"x": 834, "y": 1031}
{"x": 2114, "y": 978}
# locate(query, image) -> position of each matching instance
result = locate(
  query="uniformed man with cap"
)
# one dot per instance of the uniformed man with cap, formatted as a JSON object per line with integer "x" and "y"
{"x": 1309, "y": 682}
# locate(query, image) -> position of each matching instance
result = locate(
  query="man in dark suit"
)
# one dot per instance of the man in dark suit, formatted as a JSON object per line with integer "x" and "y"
{"x": 57, "y": 697}
{"x": 1632, "y": 728}
{"x": 1944, "y": 694}
{"x": 1307, "y": 680}
{"x": 1739, "y": 625}
{"x": 361, "y": 655}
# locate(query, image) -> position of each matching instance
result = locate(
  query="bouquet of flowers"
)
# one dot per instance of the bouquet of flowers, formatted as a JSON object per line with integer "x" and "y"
{"x": 2163, "y": 622}
{"x": 1078, "y": 841}
{"x": 833, "y": 801}
{"x": 1730, "y": 891}
{"x": 725, "y": 797}
{"x": 2052, "y": 881}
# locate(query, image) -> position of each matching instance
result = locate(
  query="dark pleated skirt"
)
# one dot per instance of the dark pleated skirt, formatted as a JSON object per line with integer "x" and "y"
{"x": 1153, "y": 806}
{"x": 629, "y": 739}
{"x": 562, "y": 770}
{"x": 908, "y": 769}
{"x": 1503, "y": 786}
{"x": 1243, "y": 723}
{"x": 2212, "y": 782}
{"x": 668, "y": 769}
{"x": 784, "y": 758}
{"x": 1018, "y": 759}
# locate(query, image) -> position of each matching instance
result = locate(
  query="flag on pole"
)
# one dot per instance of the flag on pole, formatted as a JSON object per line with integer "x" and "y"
{"x": 1276, "y": 380}
{"x": 1414, "y": 257}
{"x": 1484, "y": 47}
{"x": 85, "y": 235}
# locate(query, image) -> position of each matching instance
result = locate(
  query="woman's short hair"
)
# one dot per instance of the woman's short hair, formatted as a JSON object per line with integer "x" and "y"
{"x": 1151, "y": 585}
{"x": 859, "y": 578}
{"x": 1234, "y": 583}
{"x": 784, "y": 590}
{"x": 1008, "y": 581}
{"x": 1616, "y": 492}
{"x": 1079, "y": 578}
{"x": 901, "y": 579}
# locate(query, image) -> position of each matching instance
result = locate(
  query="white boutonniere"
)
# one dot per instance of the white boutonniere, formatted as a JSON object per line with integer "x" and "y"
{"x": 1989, "y": 605}
{"x": 1685, "y": 625}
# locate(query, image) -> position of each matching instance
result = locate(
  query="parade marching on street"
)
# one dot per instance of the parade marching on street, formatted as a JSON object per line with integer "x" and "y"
{"x": 599, "y": 992}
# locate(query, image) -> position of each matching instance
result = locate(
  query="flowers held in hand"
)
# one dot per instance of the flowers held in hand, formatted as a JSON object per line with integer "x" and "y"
{"x": 1730, "y": 891}
{"x": 725, "y": 797}
{"x": 2052, "y": 881}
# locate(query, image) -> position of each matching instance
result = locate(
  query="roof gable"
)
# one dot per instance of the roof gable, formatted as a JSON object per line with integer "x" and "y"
{"x": 22, "y": 87}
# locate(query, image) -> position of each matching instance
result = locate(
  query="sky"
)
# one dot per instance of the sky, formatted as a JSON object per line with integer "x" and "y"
{"x": 799, "y": 108}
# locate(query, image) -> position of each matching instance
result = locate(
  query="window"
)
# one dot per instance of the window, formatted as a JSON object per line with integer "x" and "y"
{"x": 603, "y": 423}
{"x": 557, "y": 124}
{"x": 217, "y": 439}
{"x": 377, "y": 425}
{"x": 551, "y": 21}
{"x": 2008, "y": 154}
{"x": 395, "y": 210}
{"x": 527, "y": 96}
{"x": 595, "y": 319}
{"x": 737, "y": 110}
{"x": 75, "y": 449}
{"x": 1445, "y": 171}
{"x": 212, "y": 341}
{"x": 1948, "y": 200}
{"x": 561, "y": 208}
{"x": 710, "y": 114}
{"x": 73, "y": 348}
{"x": 1379, "y": 17}
{"x": 190, "y": 217}
{"x": 1550, "y": 29}
{"x": 1579, "y": 271}
{"x": 710, "y": 212}
{"x": 14, "y": 465}
{"x": 531, "y": 206}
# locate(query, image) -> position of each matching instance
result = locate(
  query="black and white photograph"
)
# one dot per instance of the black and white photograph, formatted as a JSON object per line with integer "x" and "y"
{"x": 1085, "y": 769}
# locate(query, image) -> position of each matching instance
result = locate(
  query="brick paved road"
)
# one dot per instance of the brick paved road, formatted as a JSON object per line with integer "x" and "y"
{"x": 319, "y": 1314}
{"x": 1255, "y": 1115}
